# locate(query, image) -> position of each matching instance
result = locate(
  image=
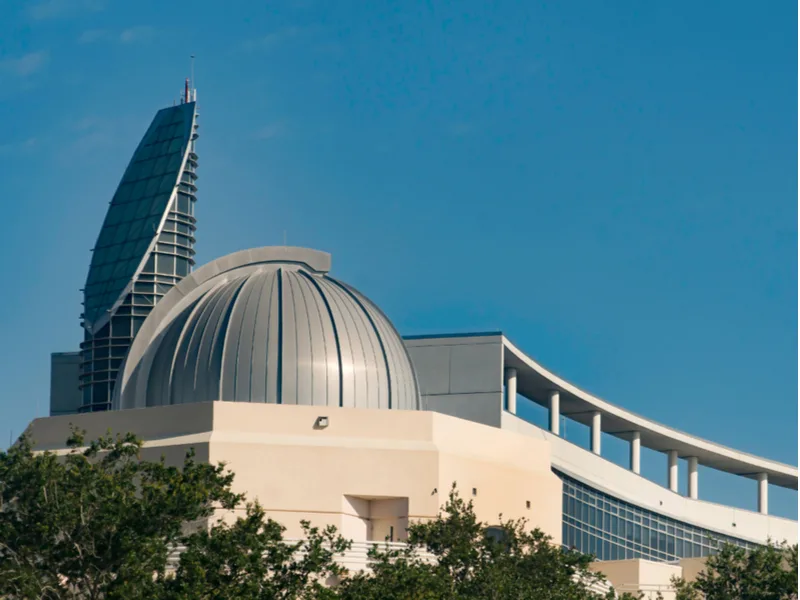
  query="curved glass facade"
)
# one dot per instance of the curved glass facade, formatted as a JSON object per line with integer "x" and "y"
{"x": 137, "y": 209}
{"x": 145, "y": 247}
{"x": 612, "y": 529}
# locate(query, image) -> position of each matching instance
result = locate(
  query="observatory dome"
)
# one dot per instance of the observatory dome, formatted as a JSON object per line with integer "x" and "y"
{"x": 267, "y": 325}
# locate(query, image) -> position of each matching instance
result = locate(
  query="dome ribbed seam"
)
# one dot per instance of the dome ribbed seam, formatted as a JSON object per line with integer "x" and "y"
{"x": 335, "y": 332}
{"x": 377, "y": 335}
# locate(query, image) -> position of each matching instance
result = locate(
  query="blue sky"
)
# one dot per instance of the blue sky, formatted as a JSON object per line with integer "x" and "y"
{"x": 612, "y": 184}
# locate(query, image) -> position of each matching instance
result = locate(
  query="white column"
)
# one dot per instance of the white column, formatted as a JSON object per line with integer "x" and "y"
{"x": 555, "y": 411}
{"x": 763, "y": 486}
{"x": 692, "y": 460}
{"x": 596, "y": 431}
{"x": 672, "y": 470}
{"x": 636, "y": 452}
{"x": 511, "y": 391}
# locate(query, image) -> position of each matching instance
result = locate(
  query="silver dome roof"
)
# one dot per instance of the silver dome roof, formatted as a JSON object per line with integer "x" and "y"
{"x": 268, "y": 325}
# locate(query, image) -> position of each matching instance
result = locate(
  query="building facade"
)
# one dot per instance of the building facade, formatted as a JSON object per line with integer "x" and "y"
{"x": 609, "y": 511}
{"x": 365, "y": 471}
{"x": 145, "y": 246}
{"x": 303, "y": 386}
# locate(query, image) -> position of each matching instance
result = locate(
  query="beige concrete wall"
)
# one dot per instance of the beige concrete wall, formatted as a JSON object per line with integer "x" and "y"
{"x": 618, "y": 572}
{"x": 298, "y": 472}
{"x": 156, "y": 423}
{"x": 334, "y": 475}
{"x": 639, "y": 576}
{"x": 167, "y": 431}
{"x": 692, "y": 567}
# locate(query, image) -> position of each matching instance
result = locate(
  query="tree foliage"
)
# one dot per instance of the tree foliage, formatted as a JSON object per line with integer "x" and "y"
{"x": 250, "y": 559}
{"x": 764, "y": 573}
{"x": 97, "y": 522}
{"x": 467, "y": 563}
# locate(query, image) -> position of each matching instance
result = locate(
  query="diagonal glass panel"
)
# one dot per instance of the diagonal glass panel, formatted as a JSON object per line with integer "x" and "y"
{"x": 154, "y": 170}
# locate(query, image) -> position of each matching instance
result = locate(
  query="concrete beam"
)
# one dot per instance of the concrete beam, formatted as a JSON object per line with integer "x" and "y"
{"x": 692, "y": 477}
{"x": 511, "y": 390}
{"x": 555, "y": 411}
{"x": 763, "y": 488}
{"x": 596, "y": 431}
{"x": 636, "y": 452}
{"x": 672, "y": 470}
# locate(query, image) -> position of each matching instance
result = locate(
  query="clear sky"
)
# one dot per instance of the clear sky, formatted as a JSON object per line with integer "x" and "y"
{"x": 612, "y": 184}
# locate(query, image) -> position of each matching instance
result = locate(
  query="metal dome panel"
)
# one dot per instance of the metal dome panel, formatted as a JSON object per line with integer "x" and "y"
{"x": 277, "y": 331}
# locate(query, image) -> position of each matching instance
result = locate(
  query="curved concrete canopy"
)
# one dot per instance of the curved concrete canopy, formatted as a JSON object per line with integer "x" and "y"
{"x": 535, "y": 382}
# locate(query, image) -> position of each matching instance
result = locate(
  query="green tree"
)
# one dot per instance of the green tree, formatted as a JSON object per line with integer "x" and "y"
{"x": 97, "y": 522}
{"x": 100, "y": 523}
{"x": 464, "y": 562}
{"x": 764, "y": 573}
{"x": 251, "y": 560}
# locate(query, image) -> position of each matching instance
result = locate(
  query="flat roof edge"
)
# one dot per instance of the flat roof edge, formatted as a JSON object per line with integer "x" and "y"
{"x": 433, "y": 336}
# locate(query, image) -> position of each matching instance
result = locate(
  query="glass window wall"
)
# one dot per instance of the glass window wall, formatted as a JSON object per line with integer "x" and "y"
{"x": 611, "y": 529}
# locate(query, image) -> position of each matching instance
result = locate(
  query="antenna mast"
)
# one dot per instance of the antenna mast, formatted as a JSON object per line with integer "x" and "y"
{"x": 194, "y": 87}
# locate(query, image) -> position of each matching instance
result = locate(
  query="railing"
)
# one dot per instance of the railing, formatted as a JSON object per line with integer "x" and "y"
{"x": 356, "y": 558}
{"x": 648, "y": 591}
{"x": 598, "y": 587}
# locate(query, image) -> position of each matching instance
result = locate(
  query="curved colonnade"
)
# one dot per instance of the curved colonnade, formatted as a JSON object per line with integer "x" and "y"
{"x": 524, "y": 376}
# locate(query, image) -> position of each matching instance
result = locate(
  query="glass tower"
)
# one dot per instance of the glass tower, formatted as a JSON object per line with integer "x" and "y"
{"x": 145, "y": 247}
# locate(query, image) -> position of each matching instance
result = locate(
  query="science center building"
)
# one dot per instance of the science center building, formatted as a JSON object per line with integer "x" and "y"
{"x": 301, "y": 384}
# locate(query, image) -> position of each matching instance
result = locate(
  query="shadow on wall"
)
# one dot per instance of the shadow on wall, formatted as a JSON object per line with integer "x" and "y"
{"x": 374, "y": 519}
